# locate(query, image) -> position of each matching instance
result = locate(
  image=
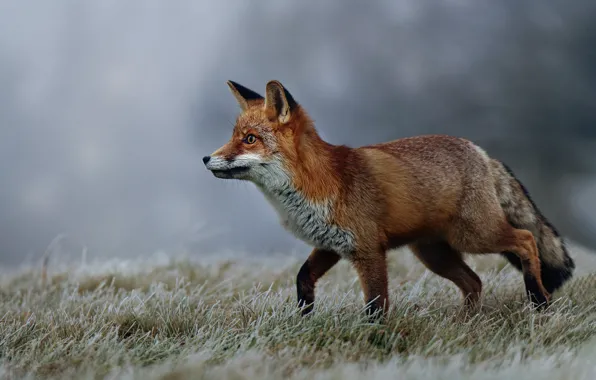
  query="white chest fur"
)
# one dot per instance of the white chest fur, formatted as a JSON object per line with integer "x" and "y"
{"x": 309, "y": 221}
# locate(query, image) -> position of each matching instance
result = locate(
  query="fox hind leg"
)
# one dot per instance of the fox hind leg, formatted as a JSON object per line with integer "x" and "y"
{"x": 443, "y": 260}
{"x": 522, "y": 244}
{"x": 506, "y": 238}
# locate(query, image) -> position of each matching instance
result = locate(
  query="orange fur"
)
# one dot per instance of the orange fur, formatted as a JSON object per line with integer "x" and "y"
{"x": 436, "y": 193}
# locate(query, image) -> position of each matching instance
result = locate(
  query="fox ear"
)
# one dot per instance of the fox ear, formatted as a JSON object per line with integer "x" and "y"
{"x": 242, "y": 94}
{"x": 279, "y": 101}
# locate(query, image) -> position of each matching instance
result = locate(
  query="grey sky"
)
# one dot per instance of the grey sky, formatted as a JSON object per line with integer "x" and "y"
{"x": 107, "y": 107}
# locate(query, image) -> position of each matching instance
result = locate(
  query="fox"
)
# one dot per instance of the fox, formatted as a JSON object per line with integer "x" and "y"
{"x": 440, "y": 195}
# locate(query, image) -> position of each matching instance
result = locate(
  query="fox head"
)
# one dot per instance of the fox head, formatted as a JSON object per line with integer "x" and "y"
{"x": 265, "y": 141}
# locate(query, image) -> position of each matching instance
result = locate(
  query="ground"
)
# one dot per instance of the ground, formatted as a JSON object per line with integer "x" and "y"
{"x": 206, "y": 318}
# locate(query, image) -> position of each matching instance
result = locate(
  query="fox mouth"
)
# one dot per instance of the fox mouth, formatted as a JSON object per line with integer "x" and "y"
{"x": 230, "y": 173}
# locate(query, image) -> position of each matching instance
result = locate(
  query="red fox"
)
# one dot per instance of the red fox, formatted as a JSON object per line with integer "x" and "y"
{"x": 440, "y": 195}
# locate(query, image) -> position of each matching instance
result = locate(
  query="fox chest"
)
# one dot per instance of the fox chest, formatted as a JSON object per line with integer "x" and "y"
{"x": 311, "y": 222}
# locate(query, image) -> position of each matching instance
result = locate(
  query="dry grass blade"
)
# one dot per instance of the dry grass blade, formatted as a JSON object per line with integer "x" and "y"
{"x": 238, "y": 320}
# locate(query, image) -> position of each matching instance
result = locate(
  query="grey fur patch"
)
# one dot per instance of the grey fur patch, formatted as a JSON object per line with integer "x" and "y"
{"x": 309, "y": 221}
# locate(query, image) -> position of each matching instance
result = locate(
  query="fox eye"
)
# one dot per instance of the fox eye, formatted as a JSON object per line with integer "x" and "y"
{"x": 250, "y": 139}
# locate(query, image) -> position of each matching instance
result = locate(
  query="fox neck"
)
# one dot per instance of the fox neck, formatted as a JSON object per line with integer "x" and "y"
{"x": 314, "y": 171}
{"x": 311, "y": 169}
{"x": 305, "y": 200}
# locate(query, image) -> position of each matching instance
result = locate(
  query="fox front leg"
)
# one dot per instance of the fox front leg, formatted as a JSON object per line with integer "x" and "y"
{"x": 317, "y": 264}
{"x": 372, "y": 272}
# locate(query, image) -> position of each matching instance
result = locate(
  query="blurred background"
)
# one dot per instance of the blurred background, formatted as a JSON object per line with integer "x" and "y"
{"x": 106, "y": 108}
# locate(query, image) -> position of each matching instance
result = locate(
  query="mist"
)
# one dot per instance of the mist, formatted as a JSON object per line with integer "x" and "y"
{"x": 106, "y": 109}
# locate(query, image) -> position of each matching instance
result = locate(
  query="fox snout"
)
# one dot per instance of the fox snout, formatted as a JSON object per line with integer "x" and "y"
{"x": 237, "y": 167}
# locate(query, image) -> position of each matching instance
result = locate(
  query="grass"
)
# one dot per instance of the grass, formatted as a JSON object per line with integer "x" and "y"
{"x": 205, "y": 319}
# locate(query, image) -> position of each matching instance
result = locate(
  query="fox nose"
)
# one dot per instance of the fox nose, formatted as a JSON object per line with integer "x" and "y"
{"x": 206, "y": 159}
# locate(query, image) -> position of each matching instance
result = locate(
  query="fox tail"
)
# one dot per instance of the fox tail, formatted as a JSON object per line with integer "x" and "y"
{"x": 521, "y": 212}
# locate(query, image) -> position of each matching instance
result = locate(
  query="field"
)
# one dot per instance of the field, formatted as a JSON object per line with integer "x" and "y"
{"x": 216, "y": 318}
